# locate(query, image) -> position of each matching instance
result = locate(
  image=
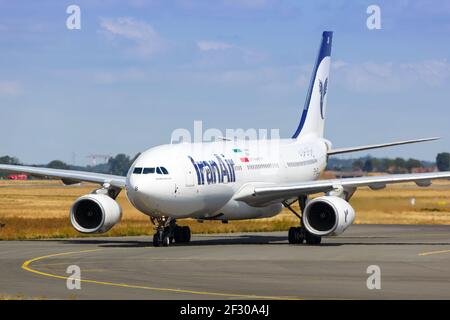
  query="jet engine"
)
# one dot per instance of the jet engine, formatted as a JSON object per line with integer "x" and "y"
{"x": 95, "y": 213}
{"x": 328, "y": 215}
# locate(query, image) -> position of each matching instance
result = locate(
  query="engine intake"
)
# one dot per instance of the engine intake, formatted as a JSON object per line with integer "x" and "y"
{"x": 95, "y": 213}
{"x": 328, "y": 215}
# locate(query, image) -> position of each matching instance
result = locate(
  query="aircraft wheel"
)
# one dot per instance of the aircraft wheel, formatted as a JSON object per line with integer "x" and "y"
{"x": 178, "y": 235}
{"x": 182, "y": 234}
{"x": 156, "y": 241}
{"x": 186, "y": 231}
{"x": 291, "y": 235}
{"x": 295, "y": 235}
{"x": 166, "y": 241}
{"x": 312, "y": 239}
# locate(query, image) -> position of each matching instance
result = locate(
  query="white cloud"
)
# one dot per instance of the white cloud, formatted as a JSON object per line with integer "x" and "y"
{"x": 268, "y": 80}
{"x": 147, "y": 41}
{"x": 434, "y": 73}
{"x": 10, "y": 88}
{"x": 220, "y": 52}
{"x": 205, "y": 45}
{"x": 367, "y": 77}
{"x": 339, "y": 64}
{"x": 391, "y": 77}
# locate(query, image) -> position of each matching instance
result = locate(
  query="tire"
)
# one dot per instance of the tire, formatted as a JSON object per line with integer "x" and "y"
{"x": 295, "y": 235}
{"x": 291, "y": 235}
{"x": 178, "y": 234}
{"x": 300, "y": 235}
{"x": 166, "y": 241}
{"x": 156, "y": 240}
{"x": 312, "y": 239}
{"x": 186, "y": 232}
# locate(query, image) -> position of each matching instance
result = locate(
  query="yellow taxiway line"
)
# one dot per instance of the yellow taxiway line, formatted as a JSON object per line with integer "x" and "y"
{"x": 26, "y": 266}
{"x": 433, "y": 252}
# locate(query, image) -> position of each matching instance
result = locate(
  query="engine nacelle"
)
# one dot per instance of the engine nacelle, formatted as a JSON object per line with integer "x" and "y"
{"x": 95, "y": 213}
{"x": 328, "y": 215}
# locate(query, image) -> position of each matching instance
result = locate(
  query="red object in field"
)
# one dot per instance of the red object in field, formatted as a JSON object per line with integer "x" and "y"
{"x": 17, "y": 177}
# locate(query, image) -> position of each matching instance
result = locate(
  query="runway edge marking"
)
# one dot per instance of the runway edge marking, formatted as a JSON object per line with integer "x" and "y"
{"x": 26, "y": 266}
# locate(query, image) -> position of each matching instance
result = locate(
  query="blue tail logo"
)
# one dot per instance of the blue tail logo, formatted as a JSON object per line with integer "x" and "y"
{"x": 323, "y": 92}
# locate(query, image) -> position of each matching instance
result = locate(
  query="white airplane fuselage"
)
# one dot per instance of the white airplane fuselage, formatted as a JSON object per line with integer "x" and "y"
{"x": 204, "y": 178}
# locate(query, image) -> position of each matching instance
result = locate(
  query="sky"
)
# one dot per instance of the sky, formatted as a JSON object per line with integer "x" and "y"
{"x": 137, "y": 70}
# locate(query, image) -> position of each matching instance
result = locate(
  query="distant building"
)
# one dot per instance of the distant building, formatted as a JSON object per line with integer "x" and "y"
{"x": 424, "y": 169}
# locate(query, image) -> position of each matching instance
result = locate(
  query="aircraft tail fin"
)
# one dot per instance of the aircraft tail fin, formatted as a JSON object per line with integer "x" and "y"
{"x": 313, "y": 115}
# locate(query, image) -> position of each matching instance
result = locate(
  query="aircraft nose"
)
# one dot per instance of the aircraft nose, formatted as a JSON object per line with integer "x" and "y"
{"x": 134, "y": 191}
{"x": 134, "y": 184}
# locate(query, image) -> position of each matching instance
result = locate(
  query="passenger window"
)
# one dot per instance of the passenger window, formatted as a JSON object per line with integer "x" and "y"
{"x": 137, "y": 170}
{"x": 164, "y": 170}
{"x": 148, "y": 170}
{"x": 158, "y": 170}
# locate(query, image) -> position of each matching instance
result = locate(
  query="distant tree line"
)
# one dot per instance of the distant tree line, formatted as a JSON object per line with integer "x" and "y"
{"x": 8, "y": 160}
{"x": 390, "y": 165}
{"x": 120, "y": 164}
{"x": 397, "y": 165}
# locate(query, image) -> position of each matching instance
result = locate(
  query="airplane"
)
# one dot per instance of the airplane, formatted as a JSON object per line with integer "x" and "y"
{"x": 235, "y": 179}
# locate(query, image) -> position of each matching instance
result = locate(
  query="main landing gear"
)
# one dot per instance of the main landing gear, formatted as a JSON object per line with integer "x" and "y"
{"x": 168, "y": 232}
{"x": 298, "y": 235}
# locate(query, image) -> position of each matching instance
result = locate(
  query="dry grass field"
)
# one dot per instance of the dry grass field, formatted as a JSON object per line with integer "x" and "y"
{"x": 40, "y": 209}
{"x": 20, "y": 297}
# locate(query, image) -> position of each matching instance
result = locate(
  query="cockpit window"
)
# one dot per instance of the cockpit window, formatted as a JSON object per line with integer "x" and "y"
{"x": 164, "y": 170}
{"x": 148, "y": 170}
{"x": 137, "y": 170}
{"x": 158, "y": 170}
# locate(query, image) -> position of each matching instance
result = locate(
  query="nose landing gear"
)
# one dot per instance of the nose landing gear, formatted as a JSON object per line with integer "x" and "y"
{"x": 168, "y": 232}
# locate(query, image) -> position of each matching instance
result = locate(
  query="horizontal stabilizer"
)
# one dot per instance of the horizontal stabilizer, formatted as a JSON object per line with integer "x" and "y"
{"x": 376, "y": 146}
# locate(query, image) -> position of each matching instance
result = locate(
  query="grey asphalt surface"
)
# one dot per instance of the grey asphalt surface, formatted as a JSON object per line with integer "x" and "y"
{"x": 414, "y": 263}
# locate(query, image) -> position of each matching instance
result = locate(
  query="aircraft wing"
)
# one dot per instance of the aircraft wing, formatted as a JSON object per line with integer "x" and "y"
{"x": 69, "y": 176}
{"x": 377, "y": 146}
{"x": 261, "y": 195}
